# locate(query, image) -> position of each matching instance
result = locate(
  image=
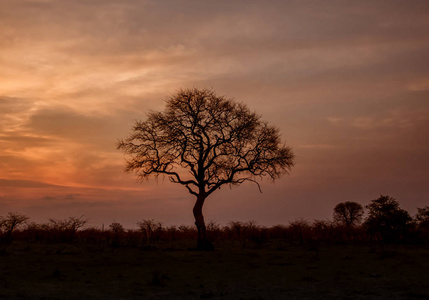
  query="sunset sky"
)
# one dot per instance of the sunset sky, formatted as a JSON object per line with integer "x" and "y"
{"x": 347, "y": 83}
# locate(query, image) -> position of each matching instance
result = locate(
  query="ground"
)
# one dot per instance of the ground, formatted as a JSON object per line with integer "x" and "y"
{"x": 278, "y": 271}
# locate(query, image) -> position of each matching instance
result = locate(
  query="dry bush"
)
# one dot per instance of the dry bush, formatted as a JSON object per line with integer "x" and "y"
{"x": 234, "y": 230}
{"x": 299, "y": 230}
{"x": 214, "y": 230}
{"x": 151, "y": 233}
{"x": 322, "y": 230}
{"x": 63, "y": 230}
{"x": 277, "y": 232}
{"x": 117, "y": 234}
{"x": 187, "y": 232}
{"x": 33, "y": 232}
{"x": 94, "y": 235}
{"x": 151, "y": 229}
{"x": 172, "y": 232}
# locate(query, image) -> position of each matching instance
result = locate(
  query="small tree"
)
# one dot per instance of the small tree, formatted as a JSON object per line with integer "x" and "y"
{"x": 348, "y": 213}
{"x": 386, "y": 219}
{"x": 322, "y": 230}
{"x": 422, "y": 222}
{"x": 422, "y": 217}
{"x": 65, "y": 230}
{"x": 149, "y": 228}
{"x": 118, "y": 232}
{"x": 300, "y": 230}
{"x": 217, "y": 141}
{"x": 12, "y": 222}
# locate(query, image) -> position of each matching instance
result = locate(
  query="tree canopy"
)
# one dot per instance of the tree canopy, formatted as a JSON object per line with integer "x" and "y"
{"x": 387, "y": 219}
{"x": 348, "y": 213}
{"x": 217, "y": 140}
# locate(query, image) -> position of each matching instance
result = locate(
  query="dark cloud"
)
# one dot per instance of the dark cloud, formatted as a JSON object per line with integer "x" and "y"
{"x": 22, "y": 140}
{"x": 67, "y": 197}
{"x": 68, "y": 124}
{"x": 9, "y": 105}
{"x": 14, "y": 164}
{"x": 24, "y": 184}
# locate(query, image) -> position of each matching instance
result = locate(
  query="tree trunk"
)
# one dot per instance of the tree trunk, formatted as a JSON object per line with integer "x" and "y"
{"x": 203, "y": 242}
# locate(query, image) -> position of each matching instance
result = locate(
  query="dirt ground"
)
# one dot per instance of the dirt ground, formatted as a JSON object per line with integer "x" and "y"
{"x": 37, "y": 271}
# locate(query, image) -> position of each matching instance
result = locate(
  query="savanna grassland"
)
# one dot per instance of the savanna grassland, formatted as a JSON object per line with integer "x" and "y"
{"x": 234, "y": 270}
{"x": 385, "y": 257}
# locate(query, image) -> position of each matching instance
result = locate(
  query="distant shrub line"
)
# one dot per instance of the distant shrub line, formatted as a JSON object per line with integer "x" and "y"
{"x": 246, "y": 233}
{"x": 385, "y": 222}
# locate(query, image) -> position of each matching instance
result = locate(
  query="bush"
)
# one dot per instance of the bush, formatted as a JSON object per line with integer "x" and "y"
{"x": 386, "y": 221}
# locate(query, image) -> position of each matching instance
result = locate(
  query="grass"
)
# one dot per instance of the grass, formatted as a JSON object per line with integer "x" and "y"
{"x": 67, "y": 271}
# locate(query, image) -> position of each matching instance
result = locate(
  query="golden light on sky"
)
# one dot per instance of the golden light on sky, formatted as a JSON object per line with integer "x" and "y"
{"x": 347, "y": 84}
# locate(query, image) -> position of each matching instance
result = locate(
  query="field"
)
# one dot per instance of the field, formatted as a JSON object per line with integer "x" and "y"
{"x": 164, "y": 271}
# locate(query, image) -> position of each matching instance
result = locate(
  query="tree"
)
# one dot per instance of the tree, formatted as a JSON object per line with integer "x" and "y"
{"x": 149, "y": 227}
{"x": 422, "y": 222}
{"x": 216, "y": 140}
{"x": 387, "y": 219}
{"x": 422, "y": 217}
{"x": 348, "y": 213}
{"x": 65, "y": 230}
{"x": 118, "y": 232}
{"x": 11, "y": 223}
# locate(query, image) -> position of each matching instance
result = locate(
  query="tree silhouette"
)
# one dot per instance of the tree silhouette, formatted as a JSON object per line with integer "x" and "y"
{"x": 218, "y": 141}
{"x": 117, "y": 233}
{"x": 149, "y": 228}
{"x": 65, "y": 230}
{"x": 386, "y": 219}
{"x": 422, "y": 222}
{"x": 422, "y": 217}
{"x": 348, "y": 213}
{"x": 11, "y": 223}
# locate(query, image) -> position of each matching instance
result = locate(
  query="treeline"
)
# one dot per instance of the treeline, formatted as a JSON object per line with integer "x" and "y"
{"x": 385, "y": 222}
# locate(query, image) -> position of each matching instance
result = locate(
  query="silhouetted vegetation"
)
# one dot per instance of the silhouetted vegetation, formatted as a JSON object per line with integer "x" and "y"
{"x": 386, "y": 223}
{"x": 348, "y": 213}
{"x": 323, "y": 259}
{"x": 219, "y": 142}
{"x": 12, "y": 222}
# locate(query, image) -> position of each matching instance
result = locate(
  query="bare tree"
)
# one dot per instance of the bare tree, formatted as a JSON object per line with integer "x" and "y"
{"x": 65, "y": 230}
{"x": 71, "y": 223}
{"x": 219, "y": 142}
{"x": 348, "y": 213}
{"x": 12, "y": 222}
{"x": 149, "y": 228}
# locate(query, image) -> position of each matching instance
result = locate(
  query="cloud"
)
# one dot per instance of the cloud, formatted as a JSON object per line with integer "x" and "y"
{"x": 334, "y": 120}
{"x": 14, "y": 112}
{"x": 68, "y": 124}
{"x": 317, "y": 146}
{"x": 24, "y": 184}
{"x": 369, "y": 123}
{"x": 67, "y": 197}
{"x": 10, "y": 105}
{"x": 346, "y": 83}
{"x": 19, "y": 141}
